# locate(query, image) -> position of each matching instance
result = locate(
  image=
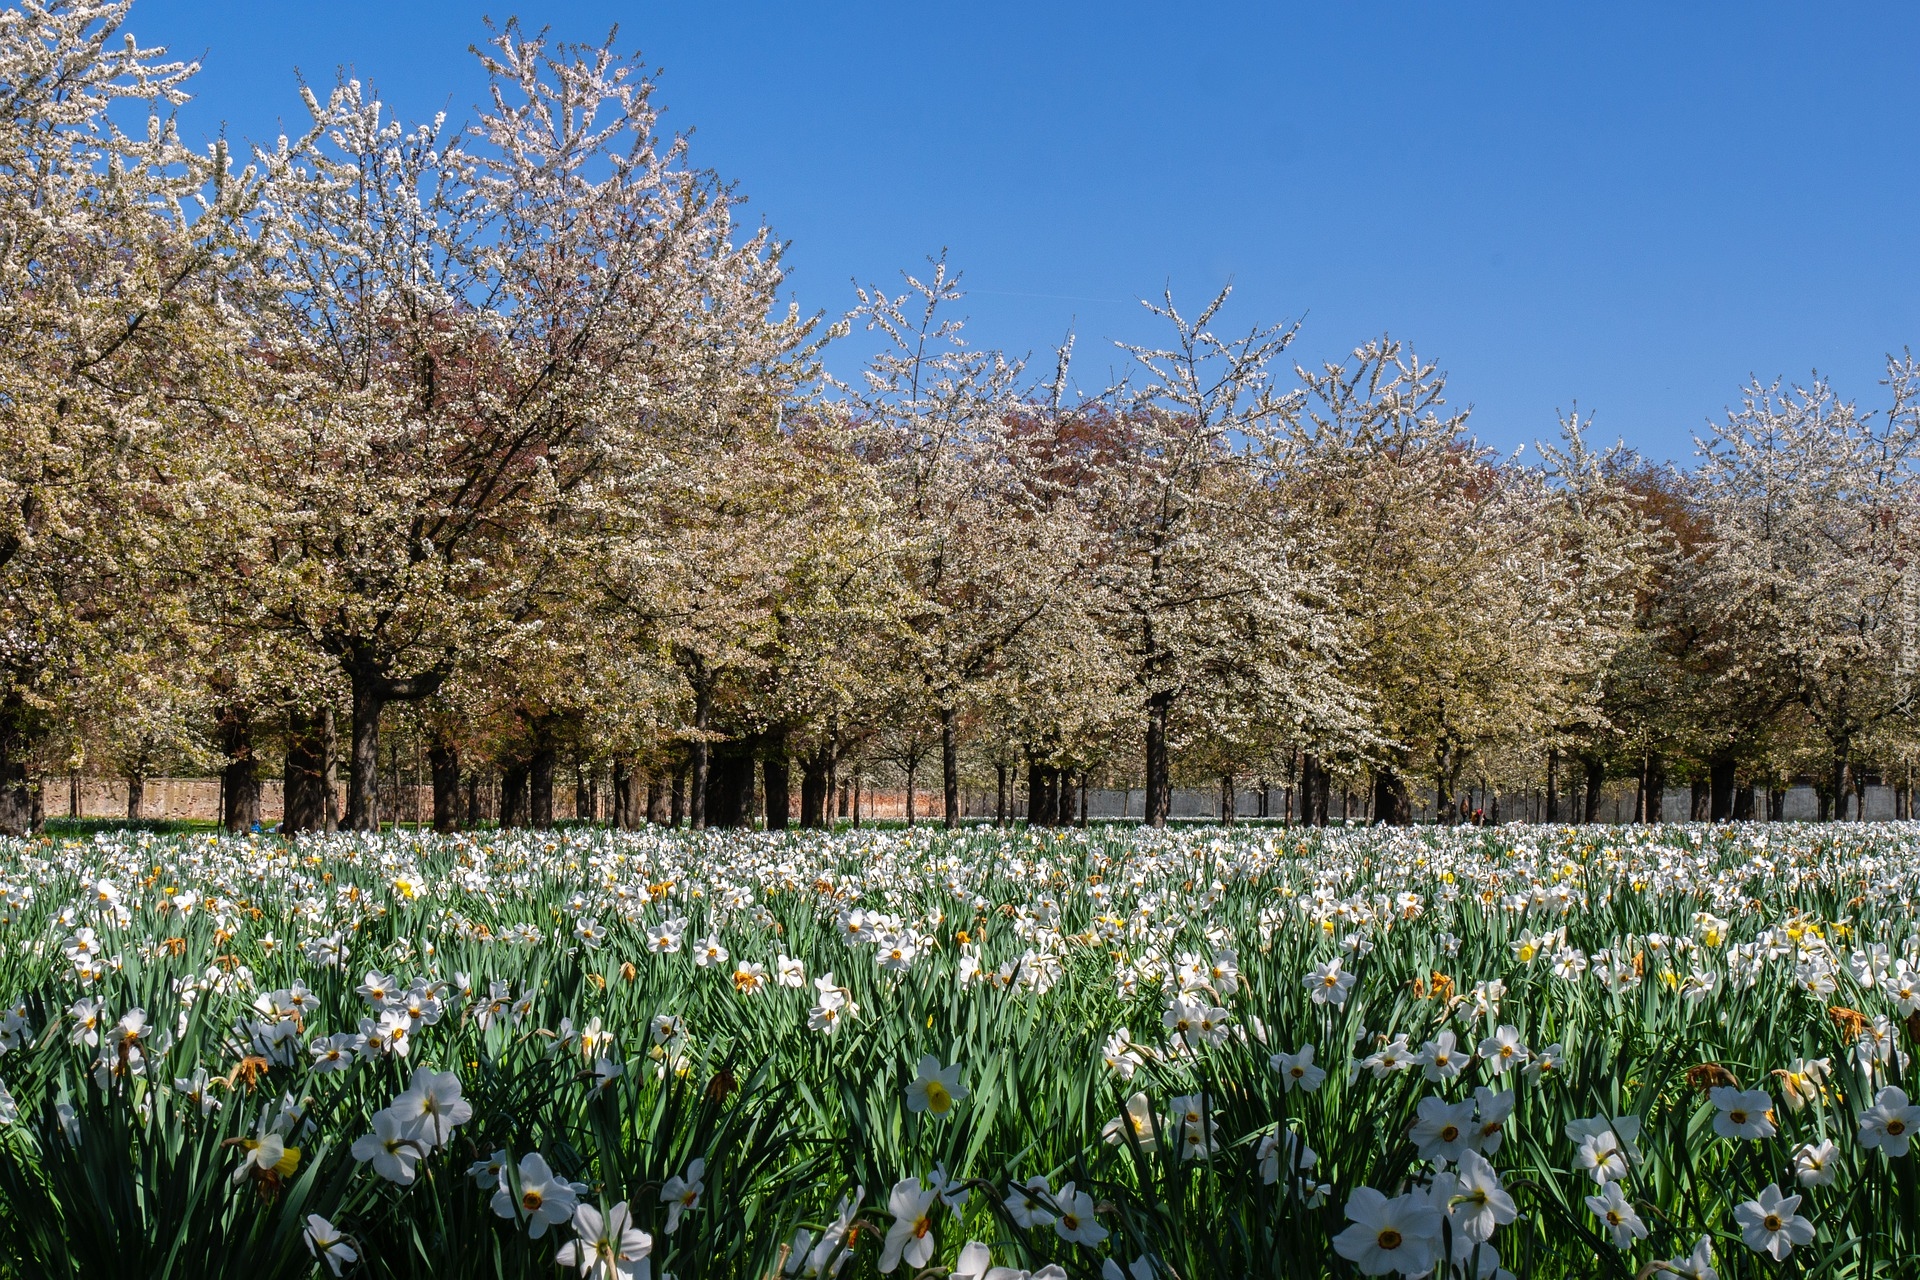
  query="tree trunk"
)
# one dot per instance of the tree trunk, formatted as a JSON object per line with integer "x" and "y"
{"x": 1596, "y": 784}
{"x": 1701, "y": 808}
{"x": 1392, "y": 804}
{"x": 363, "y": 761}
{"x": 949, "y": 768}
{"x": 443, "y": 766}
{"x": 815, "y": 798}
{"x": 1776, "y": 804}
{"x": 583, "y": 794}
{"x": 471, "y": 814}
{"x": 1743, "y": 802}
{"x": 702, "y": 753}
{"x": 303, "y": 787}
{"x": 329, "y": 771}
{"x": 1159, "y": 768}
{"x": 1229, "y": 801}
{"x": 1720, "y": 783}
{"x": 729, "y": 797}
{"x": 1316, "y": 785}
{"x": 513, "y": 794}
{"x": 913, "y": 765}
{"x": 623, "y": 807}
{"x": 677, "y": 800}
{"x": 540, "y": 785}
{"x": 136, "y": 796}
{"x": 1553, "y": 784}
{"x": 240, "y": 777}
{"x": 1000, "y": 794}
{"x": 656, "y": 800}
{"x": 1656, "y": 788}
{"x": 777, "y": 778}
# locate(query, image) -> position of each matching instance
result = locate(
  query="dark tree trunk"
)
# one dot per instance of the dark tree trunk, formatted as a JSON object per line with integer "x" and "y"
{"x": 1553, "y": 784}
{"x": 1043, "y": 794}
{"x": 949, "y": 768}
{"x": 136, "y": 796}
{"x": 1701, "y": 807}
{"x": 303, "y": 783}
{"x": 702, "y": 762}
{"x": 1316, "y": 789}
{"x": 540, "y": 786}
{"x": 443, "y": 766}
{"x": 471, "y": 815}
{"x": 677, "y": 801}
{"x": 19, "y": 730}
{"x": 240, "y": 778}
{"x": 1159, "y": 767}
{"x": 729, "y": 794}
{"x": 1392, "y": 805}
{"x": 583, "y": 794}
{"x": 1656, "y": 788}
{"x": 372, "y": 691}
{"x": 624, "y": 812}
{"x": 814, "y": 796}
{"x": 1720, "y": 785}
{"x": 656, "y": 800}
{"x": 1229, "y": 801}
{"x": 329, "y": 771}
{"x": 1596, "y": 783}
{"x": 777, "y": 780}
{"x": 363, "y": 761}
{"x": 513, "y": 794}
{"x": 1000, "y": 794}
{"x": 1776, "y": 804}
{"x": 1743, "y": 804}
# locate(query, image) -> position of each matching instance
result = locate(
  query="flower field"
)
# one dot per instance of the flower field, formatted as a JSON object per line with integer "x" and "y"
{"x": 1543, "y": 1052}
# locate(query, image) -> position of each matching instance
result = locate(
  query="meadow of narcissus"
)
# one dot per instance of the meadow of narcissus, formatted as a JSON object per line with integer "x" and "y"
{"x": 1542, "y": 1052}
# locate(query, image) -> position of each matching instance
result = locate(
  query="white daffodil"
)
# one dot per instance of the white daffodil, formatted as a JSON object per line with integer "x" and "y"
{"x": 391, "y": 1150}
{"x": 537, "y": 1194}
{"x": 1888, "y": 1125}
{"x": 606, "y": 1247}
{"x": 1769, "y": 1224}
{"x": 935, "y": 1089}
{"x": 681, "y": 1193}
{"x": 910, "y": 1238}
{"x": 1617, "y": 1216}
{"x": 327, "y": 1244}
{"x": 1297, "y": 1070}
{"x": 1400, "y": 1235}
{"x": 1742, "y": 1113}
{"x": 1814, "y": 1163}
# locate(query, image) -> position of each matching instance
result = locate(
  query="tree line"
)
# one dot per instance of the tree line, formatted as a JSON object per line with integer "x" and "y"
{"x": 495, "y": 441}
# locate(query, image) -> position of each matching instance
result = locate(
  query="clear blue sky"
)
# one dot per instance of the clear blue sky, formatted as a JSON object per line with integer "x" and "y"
{"x": 1632, "y": 206}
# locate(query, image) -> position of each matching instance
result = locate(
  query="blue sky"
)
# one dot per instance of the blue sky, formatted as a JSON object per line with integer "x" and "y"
{"x": 1629, "y": 206}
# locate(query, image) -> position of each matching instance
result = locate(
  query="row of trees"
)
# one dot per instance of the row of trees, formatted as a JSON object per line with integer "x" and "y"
{"x": 504, "y": 425}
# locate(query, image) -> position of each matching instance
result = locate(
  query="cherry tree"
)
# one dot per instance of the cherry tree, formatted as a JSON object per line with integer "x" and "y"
{"x": 470, "y": 328}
